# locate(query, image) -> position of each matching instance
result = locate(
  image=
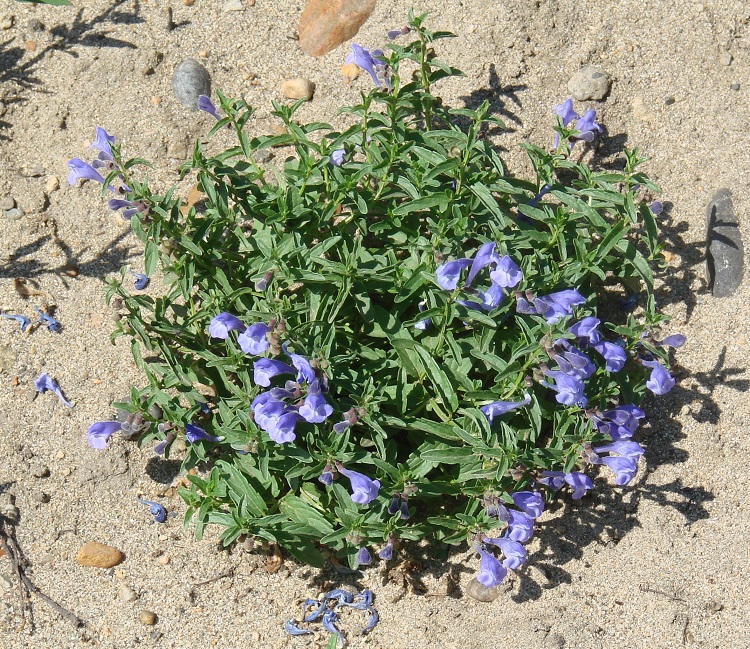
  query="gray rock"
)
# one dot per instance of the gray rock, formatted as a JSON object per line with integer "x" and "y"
{"x": 480, "y": 592}
{"x": 725, "y": 256}
{"x": 232, "y": 5}
{"x": 7, "y": 203}
{"x": 40, "y": 471}
{"x": 190, "y": 80}
{"x": 590, "y": 82}
{"x": 13, "y": 214}
{"x": 734, "y": 86}
{"x": 41, "y": 497}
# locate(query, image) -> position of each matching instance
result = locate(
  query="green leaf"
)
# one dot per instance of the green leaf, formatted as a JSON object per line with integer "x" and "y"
{"x": 438, "y": 378}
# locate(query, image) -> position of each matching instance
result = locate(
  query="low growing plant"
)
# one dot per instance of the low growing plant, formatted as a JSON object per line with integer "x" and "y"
{"x": 389, "y": 338}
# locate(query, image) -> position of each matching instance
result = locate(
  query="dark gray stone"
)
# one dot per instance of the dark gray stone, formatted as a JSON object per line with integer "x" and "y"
{"x": 190, "y": 80}
{"x": 725, "y": 256}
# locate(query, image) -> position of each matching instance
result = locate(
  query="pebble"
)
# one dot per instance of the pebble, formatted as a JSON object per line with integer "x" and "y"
{"x": 641, "y": 110}
{"x": 127, "y": 594}
{"x": 325, "y": 24}
{"x": 10, "y": 512}
{"x": 13, "y": 214}
{"x": 263, "y": 156}
{"x": 41, "y": 497}
{"x": 590, "y": 82}
{"x": 190, "y": 80}
{"x": 735, "y": 86}
{"x": 350, "y": 71}
{"x": 188, "y": 3}
{"x": 148, "y": 617}
{"x": 7, "y": 203}
{"x": 98, "y": 555}
{"x": 668, "y": 101}
{"x": 725, "y": 256}
{"x": 40, "y": 471}
{"x": 35, "y": 25}
{"x": 298, "y": 88}
{"x": 725, "y": 58}
{"x": 232, "y": 5}
{"x": 480, "y": 592}
{"x": 52, "y": 184}
{"x": 6, "y": 21}
{"x": 163, "y": 561}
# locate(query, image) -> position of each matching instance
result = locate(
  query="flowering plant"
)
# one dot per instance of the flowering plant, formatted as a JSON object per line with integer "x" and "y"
{"x": 389, "y": 338}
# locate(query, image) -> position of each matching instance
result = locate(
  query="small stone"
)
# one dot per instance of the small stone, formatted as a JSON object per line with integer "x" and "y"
{"x": 325, "y": 24}
{"x": 148, "y": 617}
{"x": 98, "y": 555}
{"x": 52, "y": 184}
{"x": 590, "y": 82}
{"x": 350, "y": 71}
{"x": 60, "y": 455}
{"x": 35, "y": 25}
{"x": 41, "y": 497}
{"x": 7, "y": 357}
{"x": 6, "y": 21}
{"x": 669, "y": 100}
{"x": 188, "y": 3}
{"x": 480, "y": 592}
{"x": 7, "y": 203}
{"x": 554, "y": 641}
{"x": 10, "y": 512}
{"x": 30, "y": 46}
{"x": 298, "y": 88}
{"x": 164, "y": 560}
{"x": 127, "y": 594}
{"x": 40, "y": 471}
{"x": 14, "y": 214}
{"x": 725, "y": 257}
{"x": 641, "y": 111}
{"x": 190, "y": 80}
{"x": 178, "y": 150}
{"x": 725, "y": 58}
{"x": 232, "y": 5}
{"x": 735, "y": 86}
{"x": 263, "y": 156}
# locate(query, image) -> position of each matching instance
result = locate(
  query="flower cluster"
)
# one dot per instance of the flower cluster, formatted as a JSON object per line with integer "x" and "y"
{"x": 585, "y": 127}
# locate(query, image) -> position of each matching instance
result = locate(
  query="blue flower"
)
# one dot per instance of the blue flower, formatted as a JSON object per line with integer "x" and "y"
{"x": 52, "y": 325}
{"x": 222, "y": 324}
{"x": 566, "y": 112}
{"x": 253, "y": 340}
{"x": 587, "y": 127}
{"x": 491, "y": 571}
{"x": 102, "y": 142}
{"x": 120, "y": 203}
{"x": 613, "y": 354}
{"x": 100, "y": 432}
{"x": 386, "y": 553}
{"x": 364, "y": 490}
{"x": 514, "y": 553}
{"x": 44, "y": 382}
{"x": 675, "y": 340}
{"x": 82, "y": 170}
{"x": 630, "y": 450}
{"x": 195, "y": 433}
{"x": 205, "y": 104}
{"x": 586, "y": 330}
{"x": 656, "y": 207}
{"x": 569, "y": 389}
{"x": 624, "y": 468}
{"x": 497, "y": 408}
{"x": 553, "y": 306}
{"x": 155, "y": 509}
{"x": 363, "y": 557}
{"x": 572, "y": 361}
{"x": 579, "y": 482}
{"x": 447, "y": 273}
{"x": 305, "y": 371}
{"x": 20, "y": 319}
{"x": 337, "y": 157}
{"x": 507, "y": 273}
{"x": 264, "y": 369}
{"x": 141, "y": 281}
{"x": 520, "y": 526}
{"x": 329, "y": 624}
{"x": 315, "y": 409}
{"x": 362, "y": 58}
{"x": 292, "y": 629}
{"x": 661, "y": 381}
{"x": 484, "y": 256}
{"x": 529, "y": 502}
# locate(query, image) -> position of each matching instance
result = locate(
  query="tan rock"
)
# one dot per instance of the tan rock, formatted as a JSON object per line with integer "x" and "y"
{"x": 298, "y": 88}
{"x": 98, "y": 555}
{"x": 148, "y": 617}
{"x": 326, "y": 24}
{"x": 350, "y": 71}
{"x": 52, "y": 184}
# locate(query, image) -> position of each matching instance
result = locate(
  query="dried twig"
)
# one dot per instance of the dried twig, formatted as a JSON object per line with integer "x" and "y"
{"x": 223, "y": 575}
{"x": 648, "y": 589}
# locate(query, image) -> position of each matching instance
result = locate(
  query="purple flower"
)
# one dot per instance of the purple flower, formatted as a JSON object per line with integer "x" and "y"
{"x": 253, "y": 340}
{"x": 45, "y": 382}
{"x": 47, "y": 320}
{"x": 326, "y": 477}
{"x": 447, "y": 273}
{"x": 80, "y": 169}
{"x": 274, "y": 416}
{"x": 102, "y": 142}
{"x": 315, "y": 409}
{"x": 155, "y": 509}
{"x": 529, "y": 501}
{"x": 660, "y": 382}
{"x": 520, "y": 526}
{"x": 362, "y": 58}
{"x": 222, "y": 324}
{"x": 566, "y": 112}
{"x": 20, "y": 319}
{"x": 620, "y": 422}
{"x": 569, "y": 389}
{"x": 630, "y": 450}
{"x": 485, "y": 255}
{"x": 305, "y": 372}
{"x": 613, "y": 354}
{"x": 364, "y": 490}
{"x": 624, "y": 468}
{"x": 162, "y": 446}
{"x": 119, "y": 203}
{"x": 281, "y": 429}
{"x": 205, "y": 104}
{"x": 264, "y": 369}
{"x": 100, "y": 432}
{"x": 337, "y": 157}
{"x": 585, "y": 330}
{"x": 580, "y": 482}
{"x": 292, "y": 629}
{"x": 542, "y": 192}
{"x": 507, "y": 273}
{"x": 513, "y": 551}
{"x": 553, "y": 306}
{"x": 656, "y": 208}
{"x": 195, "y": 433}
{"x": 572, "y": 362}
{"x": 497, "y": 408}
{"x": 675, "y": 340}
{"x": 387, "y": 552}
{"x": 363, "y": 557}
{"x": 140, "y": 282}
{"x": 491, "y": 571}
{"x": 587, "y": 127}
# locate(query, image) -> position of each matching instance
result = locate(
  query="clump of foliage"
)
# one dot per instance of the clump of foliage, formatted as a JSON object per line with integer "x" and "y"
{"x": 389, "y": 338}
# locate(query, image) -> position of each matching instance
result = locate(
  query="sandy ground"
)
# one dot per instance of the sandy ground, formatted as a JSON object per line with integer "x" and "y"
{"x": 662, "y": 563}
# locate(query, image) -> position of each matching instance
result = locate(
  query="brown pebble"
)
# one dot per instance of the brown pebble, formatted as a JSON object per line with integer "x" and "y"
{"x": 298, "y": 88}
{"x": 163, "y": 561}
{"x": 148, "y": 617}
{"x": 52, "y": 184}
{"x": 188, "y": 3}
{"x": 480, "y": 592}
{"x": 350, "y": 71}
{"x": 30, "y": 46}
{"x": 156, "y": 100}
{"x": 98, "y": 555}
